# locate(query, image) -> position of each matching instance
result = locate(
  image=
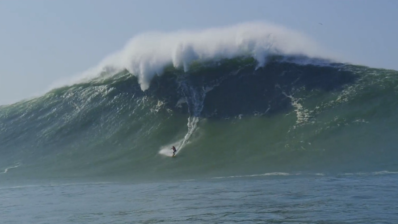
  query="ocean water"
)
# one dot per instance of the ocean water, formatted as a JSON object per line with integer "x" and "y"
{"x": 266, "y": 131}
{"x": 275, "y": 198}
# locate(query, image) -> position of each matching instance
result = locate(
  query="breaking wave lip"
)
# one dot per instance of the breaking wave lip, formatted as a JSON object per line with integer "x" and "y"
{"x": 146, "y": 55}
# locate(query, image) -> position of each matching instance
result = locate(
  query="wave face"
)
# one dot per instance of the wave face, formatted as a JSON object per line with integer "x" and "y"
{"x": 226, "y": 117}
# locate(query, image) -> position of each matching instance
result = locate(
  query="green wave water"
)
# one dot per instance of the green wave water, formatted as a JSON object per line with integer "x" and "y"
{"x": 226, "y": 117}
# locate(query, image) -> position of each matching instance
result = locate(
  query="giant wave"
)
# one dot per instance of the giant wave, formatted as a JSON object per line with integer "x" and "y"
{"x": 247, "y": 99}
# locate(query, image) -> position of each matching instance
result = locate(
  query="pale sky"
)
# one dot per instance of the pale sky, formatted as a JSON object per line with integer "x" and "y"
{"x": 43, "y": 41}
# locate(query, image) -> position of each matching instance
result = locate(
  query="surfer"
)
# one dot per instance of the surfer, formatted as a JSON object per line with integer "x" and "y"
{"x": 174, "y": 150}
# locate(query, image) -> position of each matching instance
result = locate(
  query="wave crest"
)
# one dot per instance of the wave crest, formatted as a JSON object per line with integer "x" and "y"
{"x": 146, "y": 55}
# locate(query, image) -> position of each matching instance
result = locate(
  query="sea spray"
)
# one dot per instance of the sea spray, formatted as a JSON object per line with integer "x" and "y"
{"x": 194, "y": 98}
{"x": 146, "y": 55}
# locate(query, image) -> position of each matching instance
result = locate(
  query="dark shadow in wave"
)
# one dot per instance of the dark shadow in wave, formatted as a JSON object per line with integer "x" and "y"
{"x": 237, "y": 88}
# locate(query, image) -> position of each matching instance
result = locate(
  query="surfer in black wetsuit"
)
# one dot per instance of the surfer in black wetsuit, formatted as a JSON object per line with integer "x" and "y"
{"x": 174, "y": 150}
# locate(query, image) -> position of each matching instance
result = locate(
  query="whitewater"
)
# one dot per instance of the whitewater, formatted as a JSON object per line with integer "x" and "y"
{"x": 267, "y": 123}
{"x": 146, "y": 55}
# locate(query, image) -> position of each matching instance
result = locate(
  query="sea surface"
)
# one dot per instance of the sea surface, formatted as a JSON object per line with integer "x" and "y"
{"x": 271, "y": 198}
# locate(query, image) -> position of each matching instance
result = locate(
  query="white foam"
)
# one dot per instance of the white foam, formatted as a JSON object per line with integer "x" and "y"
{"x": 147, "y": 54}
{"x": 384, "y": 172}
{"x": 8, "y": 168}
{"x": 167, "y": 151}
{"x": 192, "y": 126}
{"x": 302, "y": 114}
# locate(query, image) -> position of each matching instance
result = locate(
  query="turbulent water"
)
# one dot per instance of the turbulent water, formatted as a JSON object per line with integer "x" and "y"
{"x": 227, "y": 117}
